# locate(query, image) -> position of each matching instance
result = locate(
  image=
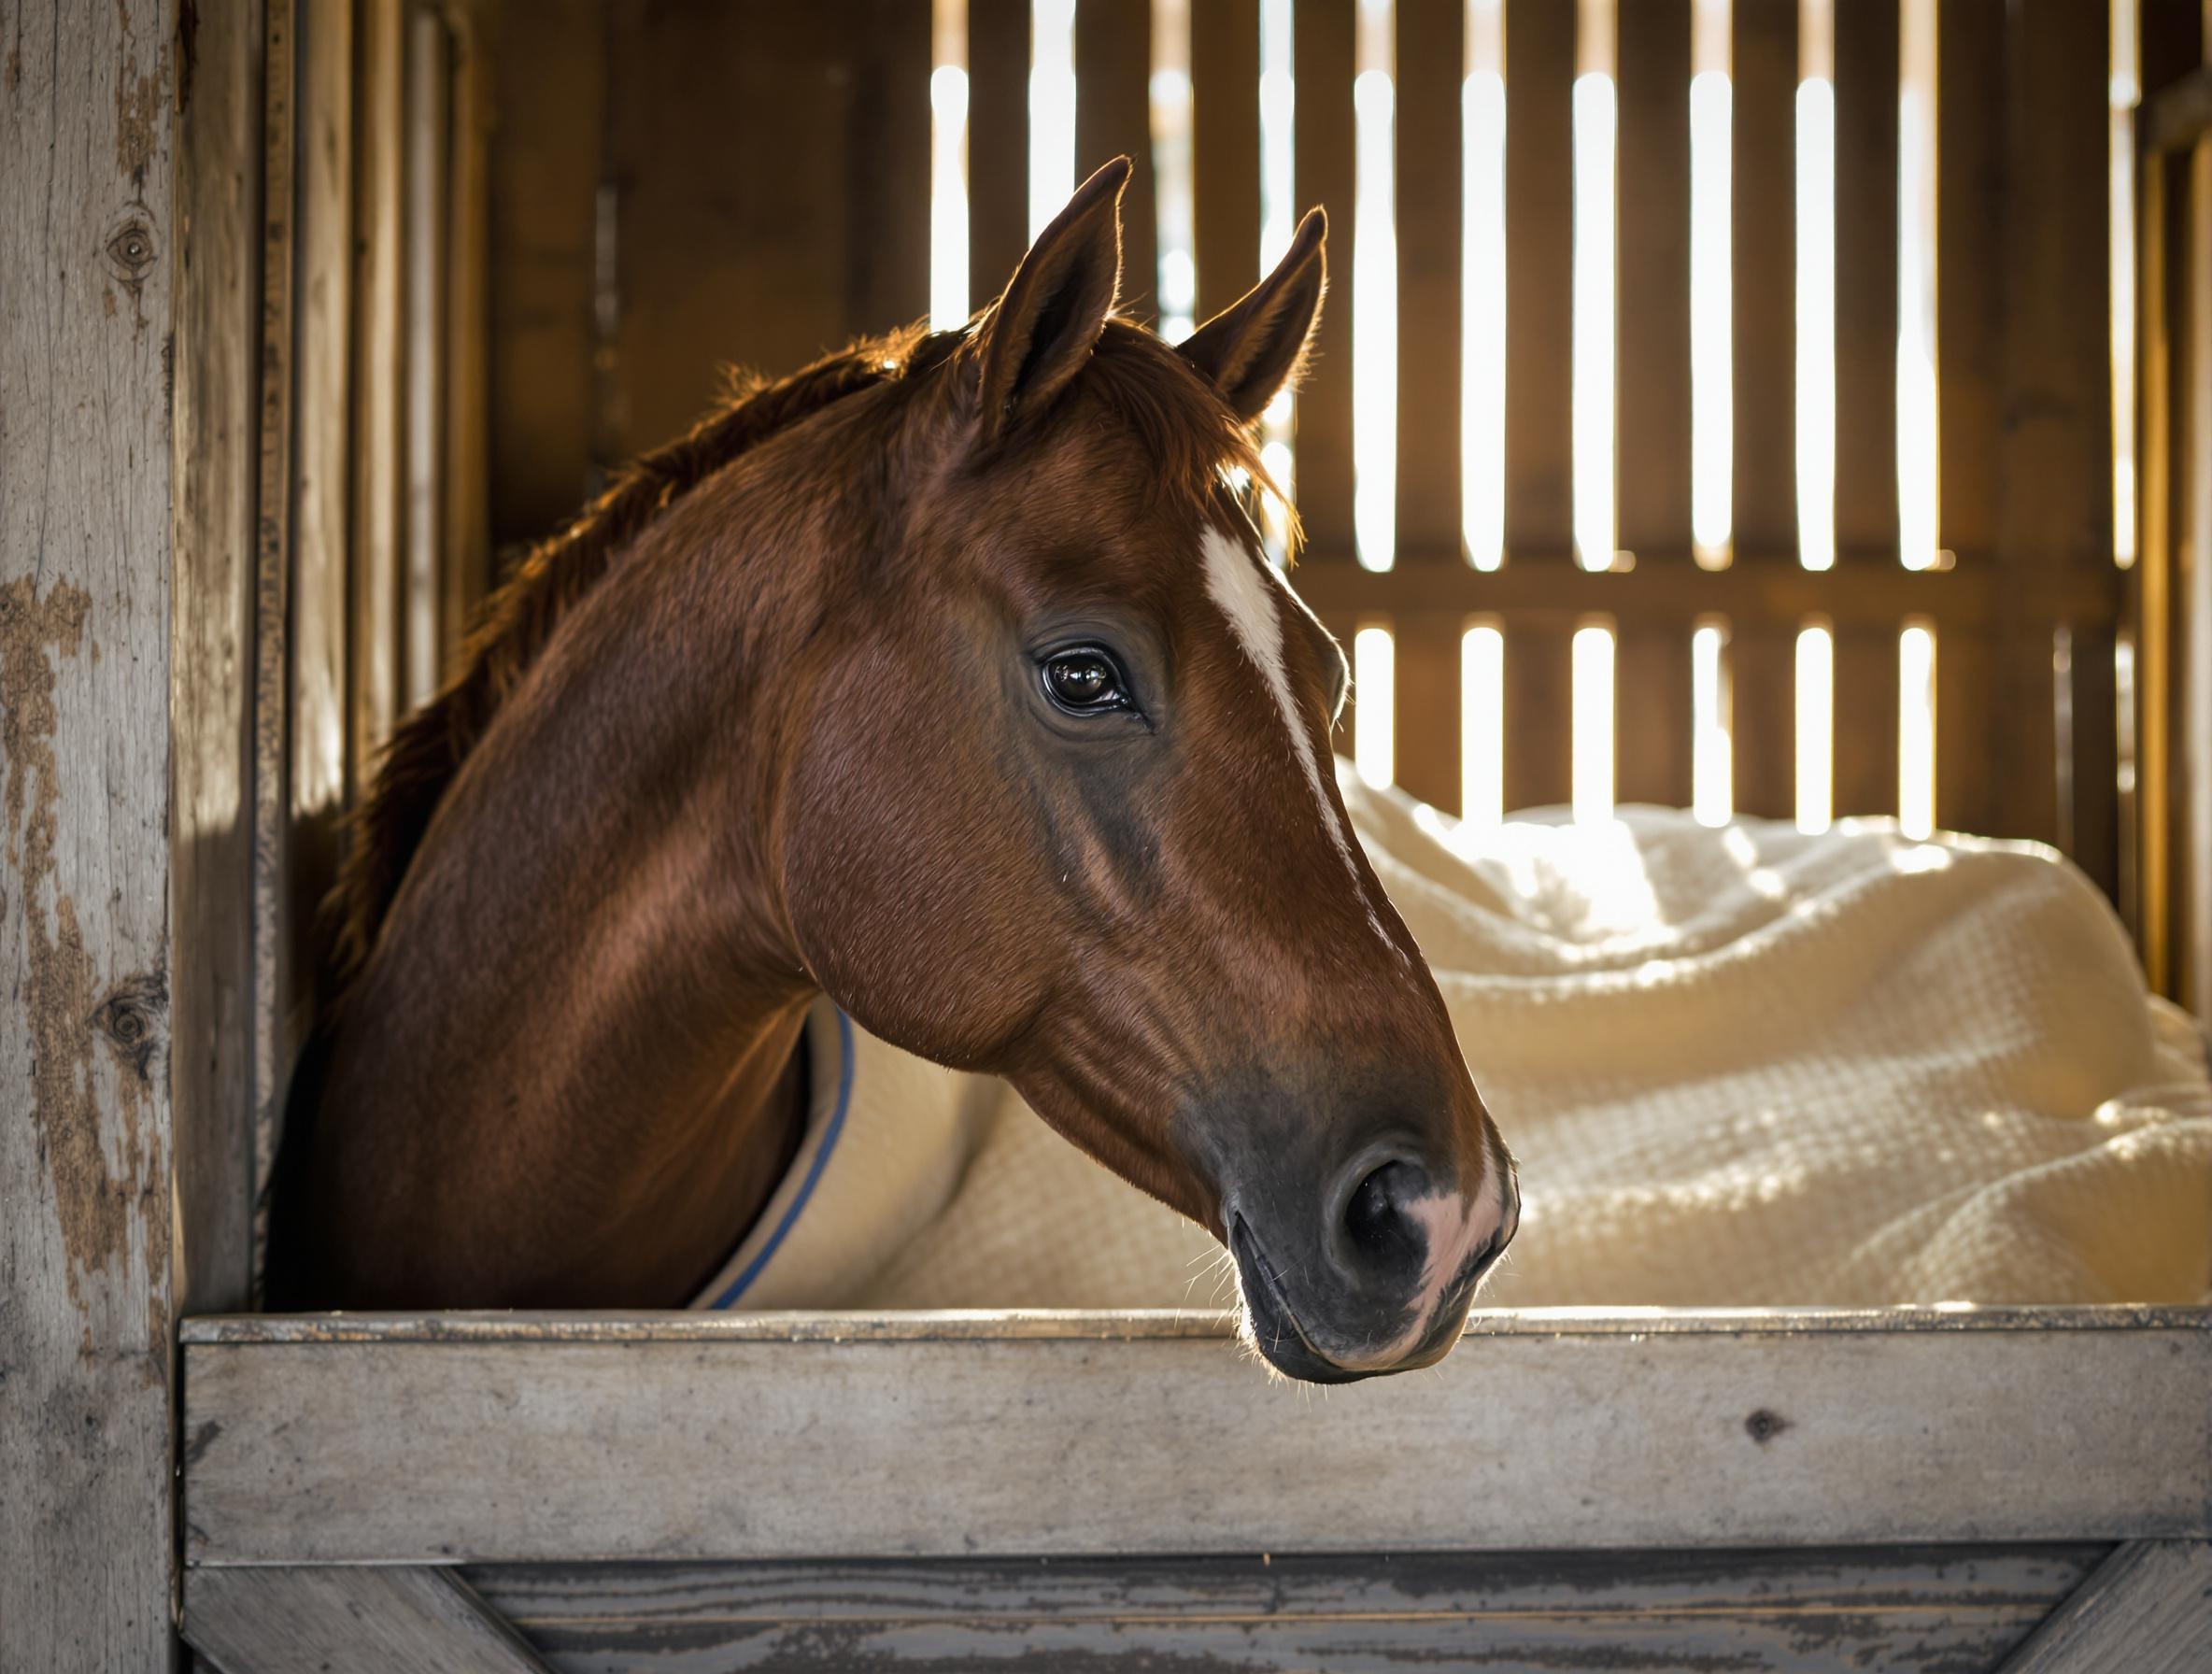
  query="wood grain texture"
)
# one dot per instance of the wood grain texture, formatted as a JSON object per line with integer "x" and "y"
{"x": 374, "y": 625}
{"x": 215, "y": 467}
{"x": 1903, "y": 1608}
{"x": 348, "y": 1621}
{"x": 91, "y": 280}
{"x": 2146, "y": 1609}
{"x": 276, "y": 974}
{"x": 685, "y": 1442}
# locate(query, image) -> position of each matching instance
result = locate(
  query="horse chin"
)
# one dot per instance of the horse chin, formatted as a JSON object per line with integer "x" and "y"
{"x": 1270, "y": 1327}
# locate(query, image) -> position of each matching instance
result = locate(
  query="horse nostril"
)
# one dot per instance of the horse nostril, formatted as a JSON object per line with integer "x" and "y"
{"x": 1375, "y": 1217}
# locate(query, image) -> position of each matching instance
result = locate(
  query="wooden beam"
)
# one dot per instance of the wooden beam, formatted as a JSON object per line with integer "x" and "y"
{"x": 1759, "y": 591}
{"x": 2146, "y": 1609}
{"x": 93, "y": 281}
{"x": 491, "y": 1439}
{"x": 1805, "y": 1610}
{"x": 348, "y": 1621}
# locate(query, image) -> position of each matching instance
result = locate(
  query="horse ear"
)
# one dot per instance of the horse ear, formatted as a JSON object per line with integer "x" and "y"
{"x": 1253, "y": 347}
{"x": 1044, "y": 327}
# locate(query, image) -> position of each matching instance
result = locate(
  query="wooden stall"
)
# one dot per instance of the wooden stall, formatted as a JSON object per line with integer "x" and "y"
{"x": 315, "y": 309}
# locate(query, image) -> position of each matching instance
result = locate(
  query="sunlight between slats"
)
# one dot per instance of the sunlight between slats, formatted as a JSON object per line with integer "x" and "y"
{"x": 1482, "y": 288}
{"x": 1375, "y": 293}
{"x": 1593, "y": 335}
{"x": 1374, "y": 686}
{"x": 948, "y": 167}
{"x": 1052, "y": 109}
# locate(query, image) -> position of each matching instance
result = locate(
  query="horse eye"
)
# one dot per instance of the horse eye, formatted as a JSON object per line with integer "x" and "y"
{"x": 1084, "y": 681}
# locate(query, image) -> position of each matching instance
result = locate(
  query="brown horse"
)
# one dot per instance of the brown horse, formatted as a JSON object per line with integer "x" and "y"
{"x": 946, "y": 676}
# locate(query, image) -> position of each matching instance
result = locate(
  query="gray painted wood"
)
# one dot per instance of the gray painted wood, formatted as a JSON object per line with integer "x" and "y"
{"x": 2148, "y": 1609}
{"x": 471, "y": 1439}
{"x": 1942, "y": 1608}
{"x": 278, "y": 1621}
{"x": 90, "y": 272}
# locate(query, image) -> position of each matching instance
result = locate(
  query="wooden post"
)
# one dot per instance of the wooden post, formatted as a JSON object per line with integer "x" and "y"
{"x": 129, "y": 185}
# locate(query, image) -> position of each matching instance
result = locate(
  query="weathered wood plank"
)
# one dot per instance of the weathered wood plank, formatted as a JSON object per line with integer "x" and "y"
{"x": 2146, "y": 1609}
{"x": 274, "y": 972}
{"x": 1890, "y": 1608}
{"x": 720, "y": 1445}
{"x": 348, "y": 1621}
{"x": 92, "y": 281}
{"x": 215, "y": 466}
{"x": 373, "y": 623}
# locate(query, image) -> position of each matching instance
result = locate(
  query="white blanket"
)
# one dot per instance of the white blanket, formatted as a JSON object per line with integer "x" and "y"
{"x": 1738, "y": 1067}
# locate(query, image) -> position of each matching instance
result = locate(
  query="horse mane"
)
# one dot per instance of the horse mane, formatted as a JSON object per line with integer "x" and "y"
{"x": 428, "y": 748}
{"x": 1193, "y": 436}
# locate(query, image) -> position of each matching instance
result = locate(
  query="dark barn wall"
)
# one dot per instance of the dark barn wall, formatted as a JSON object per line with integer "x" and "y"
{"x": 679, "y": 186}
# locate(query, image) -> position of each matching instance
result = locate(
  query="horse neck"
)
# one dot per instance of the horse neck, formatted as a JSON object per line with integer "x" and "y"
{"x": 568, "y": 1072}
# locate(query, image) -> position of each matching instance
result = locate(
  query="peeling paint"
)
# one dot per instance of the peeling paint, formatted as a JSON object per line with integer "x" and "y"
{"x": 138, "y": 115}
{"x": 63, "y": 1008}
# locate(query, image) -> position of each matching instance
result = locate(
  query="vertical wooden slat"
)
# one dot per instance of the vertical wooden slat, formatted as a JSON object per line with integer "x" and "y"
{"x": 213, "y": 473}
{"x": 998, "y": 143}
{"x": 380, "y": 360}
{"x": 2054, "y": 513}
{"x": 321, "y": 497}
{"x": 1764, "y": 46}
{"x": 1224, "y": 145}
{"x": 1971, "y": 291}
{"x": 429, "y": 158}
{"x": 93, "y": 262}
{"x": 1866, "y": 280}
{"x": 467, "y": 534}
{"x": 1652, "y": 663}
{"x": 1762, "y": 680}
{"x": 1322, "y": 45}
{"x": 1866, "y": 507}
{"x": 1539, "y": 280}
{"x": 1762, "y": 656}
{"x": 275, "y": 971}
{"x": 549, "y": 89}
{"x": 1431, "y": 52}
{"x": 1654, "y": 468}
{"x": 2192, "y": 733}
{"x": 1651, "y": 749}
{"x": 1540, "y": 711}
{"x": 1112, "y": 118}
{"x": 1539, "y": 443}
{"x": 1865, "y": 729}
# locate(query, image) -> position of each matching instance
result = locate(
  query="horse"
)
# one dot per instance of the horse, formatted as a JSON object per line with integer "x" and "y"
{"x": 949, "y": 677}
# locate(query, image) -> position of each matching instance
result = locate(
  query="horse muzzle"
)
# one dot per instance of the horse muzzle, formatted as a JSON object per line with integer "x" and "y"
{"x": 1383, "y": 1283}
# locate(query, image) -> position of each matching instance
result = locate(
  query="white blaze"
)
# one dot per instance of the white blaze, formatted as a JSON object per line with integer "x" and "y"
{"x": 1246, "y": 591}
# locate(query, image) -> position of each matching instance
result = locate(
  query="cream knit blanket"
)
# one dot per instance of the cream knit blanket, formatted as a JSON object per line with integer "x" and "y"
{"x": 1738, "y": 1067}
